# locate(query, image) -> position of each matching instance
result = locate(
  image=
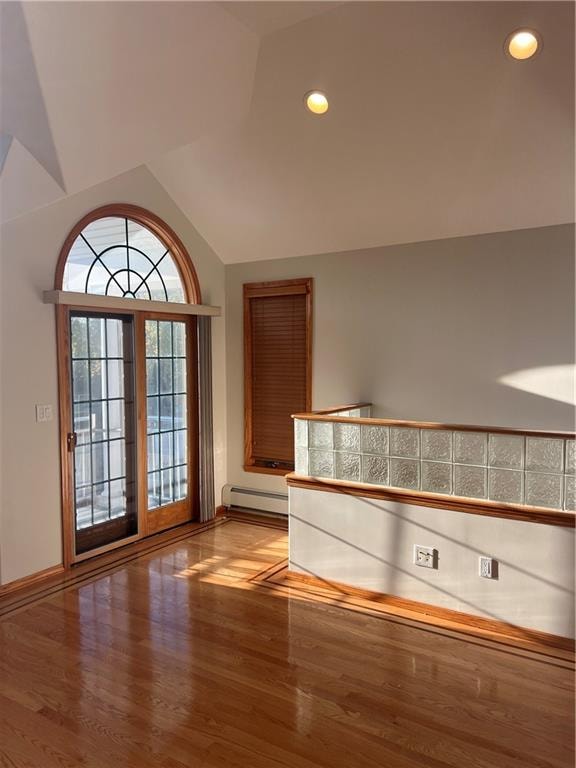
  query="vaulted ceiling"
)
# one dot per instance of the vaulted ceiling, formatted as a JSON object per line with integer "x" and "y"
{"x": 432, "y": 131}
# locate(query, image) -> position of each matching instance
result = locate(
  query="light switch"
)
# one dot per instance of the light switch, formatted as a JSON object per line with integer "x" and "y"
{"x": 43, "y": 413}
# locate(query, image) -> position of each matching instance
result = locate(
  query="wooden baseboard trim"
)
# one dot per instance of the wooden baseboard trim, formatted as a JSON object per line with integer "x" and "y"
{"x": 29, "y": 581}
{"x": 508, "y": 637}
{"x": 38, "y": 586}
{"x": 252, "y": 517}
{"x": 517, "y": 512}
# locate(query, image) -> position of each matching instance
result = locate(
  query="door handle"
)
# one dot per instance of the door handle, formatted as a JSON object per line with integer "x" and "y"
{"x": 72, "y": 441}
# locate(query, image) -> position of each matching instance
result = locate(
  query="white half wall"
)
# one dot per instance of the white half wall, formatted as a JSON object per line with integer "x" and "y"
{"x": 30, "y": 516}
{"x": 369, "y": 544}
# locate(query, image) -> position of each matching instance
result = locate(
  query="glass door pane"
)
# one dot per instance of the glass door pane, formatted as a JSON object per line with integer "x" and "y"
{"x": 167, "y": 417}
{"x": 103, "y": 424}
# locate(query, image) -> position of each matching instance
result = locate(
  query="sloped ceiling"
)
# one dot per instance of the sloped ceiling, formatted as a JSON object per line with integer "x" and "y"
{"x": 94, "y": 89}
{"x": 432, "y": 131}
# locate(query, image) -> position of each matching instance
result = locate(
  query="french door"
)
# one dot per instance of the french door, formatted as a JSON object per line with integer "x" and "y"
{"x": 130, "y": 440}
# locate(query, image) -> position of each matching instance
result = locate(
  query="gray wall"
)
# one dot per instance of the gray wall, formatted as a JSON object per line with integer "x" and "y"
{"x": 30, "y": 517}
{"x": 426, "y": 330}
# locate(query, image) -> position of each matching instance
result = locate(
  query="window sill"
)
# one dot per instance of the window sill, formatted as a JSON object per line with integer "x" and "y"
{"x": 267, "y": 470}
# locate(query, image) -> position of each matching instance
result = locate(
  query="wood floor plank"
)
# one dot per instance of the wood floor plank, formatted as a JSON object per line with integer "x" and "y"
{"x": 177, "y": 659}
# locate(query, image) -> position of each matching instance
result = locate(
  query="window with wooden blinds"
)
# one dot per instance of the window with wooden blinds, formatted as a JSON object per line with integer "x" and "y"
{"x": 277, "y": 370}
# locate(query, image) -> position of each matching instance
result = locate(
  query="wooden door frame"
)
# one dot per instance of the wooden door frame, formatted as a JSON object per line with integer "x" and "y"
{"x": 185, "y": 510}
{"x": 191, "y": 287}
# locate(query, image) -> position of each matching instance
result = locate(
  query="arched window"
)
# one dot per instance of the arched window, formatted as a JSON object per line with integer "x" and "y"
{"x": 125, "y": 251}
{"x": 128, "y": 373}
{"x": 115, "y": 256}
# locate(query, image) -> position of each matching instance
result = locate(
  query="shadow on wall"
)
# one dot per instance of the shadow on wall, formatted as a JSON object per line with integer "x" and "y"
{"x": 400, "y": 523}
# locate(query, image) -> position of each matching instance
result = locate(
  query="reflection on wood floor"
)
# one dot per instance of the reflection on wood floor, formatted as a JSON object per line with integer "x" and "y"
{"x": 179, "y": 659}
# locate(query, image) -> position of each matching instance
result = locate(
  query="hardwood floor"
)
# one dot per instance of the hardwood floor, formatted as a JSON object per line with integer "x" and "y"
{"x": 178, "y": 659}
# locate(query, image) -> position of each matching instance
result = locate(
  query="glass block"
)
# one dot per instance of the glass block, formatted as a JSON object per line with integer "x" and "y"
{"x": 436, "y": 477}
{"x": 404, "y": 441}
{"x": 505, "y": 485}
{"x": 469, "y": 481}
{"x": 544, "y": 454}
{"x": 544, "y": 490}
{"x": 570, "y": 457}
{"x": 470, "y": 448}
{"x": 301, "y": 461}
{"x": 436, "y": 444}
{"x": 301, "y": 433}
{"x": 570, "y": 493}
{"x": 347, "y": 466}
{"x": 321, "y": 463}
{"x": 405, "y": 473}
{"x": 506, "y": 451}
{"x": 320, "y": 434}
{"x": 374, "y": 439}
{"x": 346, "y": 437}
{"x": 375, "y": 469}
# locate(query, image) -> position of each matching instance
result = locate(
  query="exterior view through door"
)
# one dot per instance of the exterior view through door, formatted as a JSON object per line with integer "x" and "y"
{"x": 128, "y": 381}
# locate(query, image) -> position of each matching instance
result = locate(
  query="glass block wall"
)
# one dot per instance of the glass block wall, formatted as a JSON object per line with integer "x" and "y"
{"x": 511, "y": 468}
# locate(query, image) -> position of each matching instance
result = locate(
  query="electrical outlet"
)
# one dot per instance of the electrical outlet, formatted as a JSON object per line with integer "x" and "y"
{"x": 488, "y": 567}
{"x": 427, "y": 557}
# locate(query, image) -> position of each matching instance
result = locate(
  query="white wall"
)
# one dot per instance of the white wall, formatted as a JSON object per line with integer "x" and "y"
{"x": 426, "y": 330}
{"x": 369, "y": 544}
{"x": 30, "y": 518}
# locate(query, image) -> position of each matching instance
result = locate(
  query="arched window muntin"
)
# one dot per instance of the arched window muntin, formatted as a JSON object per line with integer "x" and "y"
{"x": 173, "y": 250}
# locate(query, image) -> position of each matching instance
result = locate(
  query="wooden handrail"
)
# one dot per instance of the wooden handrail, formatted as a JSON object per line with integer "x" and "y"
{"x": 324, "y": 415}
{"x": 335, "y": 409}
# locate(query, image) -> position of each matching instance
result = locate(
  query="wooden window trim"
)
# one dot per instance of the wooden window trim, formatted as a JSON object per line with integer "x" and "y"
{"x": 300, "y": 286}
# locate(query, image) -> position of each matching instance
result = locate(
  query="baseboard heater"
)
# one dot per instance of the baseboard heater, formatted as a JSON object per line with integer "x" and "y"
{"x": 250, "y": 498}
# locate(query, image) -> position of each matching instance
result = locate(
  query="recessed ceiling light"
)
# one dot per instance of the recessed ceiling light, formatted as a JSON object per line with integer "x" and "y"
{"x": 523, "y": 44}
{"x": 316, "y": 102}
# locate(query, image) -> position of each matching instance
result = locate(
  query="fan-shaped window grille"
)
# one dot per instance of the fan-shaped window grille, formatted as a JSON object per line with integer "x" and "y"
{"x": 115, "y": 256}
